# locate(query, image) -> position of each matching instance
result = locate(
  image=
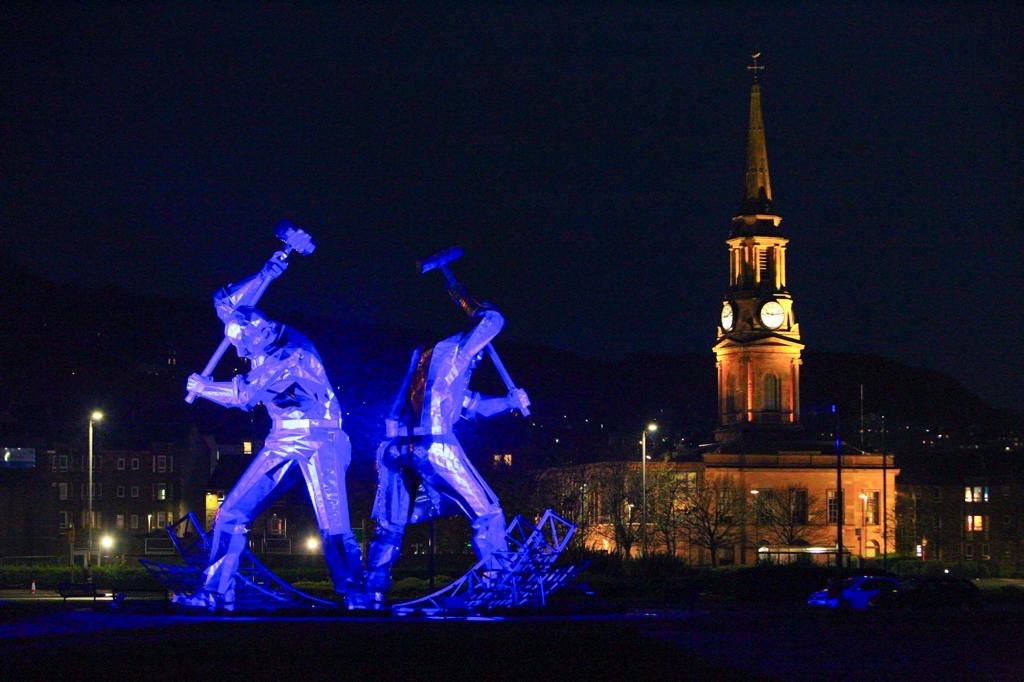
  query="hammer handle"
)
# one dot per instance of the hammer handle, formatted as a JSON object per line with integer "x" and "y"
{"x": 225, "y": 343}
{"x": 505, "y": 376}
{"x": 498, "y": 364}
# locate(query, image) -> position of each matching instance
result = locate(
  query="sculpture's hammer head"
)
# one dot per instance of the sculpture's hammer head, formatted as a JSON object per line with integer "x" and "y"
{"x": 440, "y": 259}
{"x": 294, "y": 238}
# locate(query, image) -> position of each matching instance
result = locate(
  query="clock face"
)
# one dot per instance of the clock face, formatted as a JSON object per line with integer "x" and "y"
{"x": 727, "y": 317}
{"x": 772, "y": 315}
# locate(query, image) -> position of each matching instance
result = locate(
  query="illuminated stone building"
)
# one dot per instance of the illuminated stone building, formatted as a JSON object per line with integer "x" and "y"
{"x": 777, "y": 488}
{"x": 760, "y": 445}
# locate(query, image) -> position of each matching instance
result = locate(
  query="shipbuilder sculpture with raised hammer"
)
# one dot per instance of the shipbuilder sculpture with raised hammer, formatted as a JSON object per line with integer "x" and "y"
{"x": 420, "y": 441}
{"x": 306, "y": 441}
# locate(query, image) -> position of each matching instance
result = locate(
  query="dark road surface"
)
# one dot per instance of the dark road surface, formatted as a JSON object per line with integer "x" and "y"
{"x": 51, "y": 640}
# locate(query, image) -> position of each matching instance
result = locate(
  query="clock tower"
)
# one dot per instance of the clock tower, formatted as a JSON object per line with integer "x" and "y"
{"x": 758, "y": 340}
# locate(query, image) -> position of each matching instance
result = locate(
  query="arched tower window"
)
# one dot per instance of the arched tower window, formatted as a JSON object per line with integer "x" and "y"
{"x": 730, "y": 394}
{"x": 772, "y": 393}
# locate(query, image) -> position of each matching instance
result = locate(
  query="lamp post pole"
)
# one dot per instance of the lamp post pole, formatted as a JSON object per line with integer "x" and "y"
{"x": 93, "y": 418}
{"x": 643, "y": 486}
{"x": 839, "y": 495}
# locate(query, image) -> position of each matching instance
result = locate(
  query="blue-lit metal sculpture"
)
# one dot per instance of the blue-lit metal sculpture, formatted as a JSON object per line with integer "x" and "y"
{"x": 305, "y": 442}
{"x": 420, "y": 440}
{"x": 256, "y": 587}
{"x": 522, "y": 575}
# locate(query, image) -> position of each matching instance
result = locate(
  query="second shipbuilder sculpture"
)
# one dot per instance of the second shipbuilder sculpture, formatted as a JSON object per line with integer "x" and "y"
{"x": 421, "y": 442}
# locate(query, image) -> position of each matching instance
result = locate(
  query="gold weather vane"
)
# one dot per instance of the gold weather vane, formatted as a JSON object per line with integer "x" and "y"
{"x": 755, "y": 67}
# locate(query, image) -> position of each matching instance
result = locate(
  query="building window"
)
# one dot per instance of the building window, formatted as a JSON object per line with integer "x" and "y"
{"x": 832, "y": 506}
{"x": 120, "y": 463}
{"x": 135, "y": 463}
{"x": 135, "y": 491}
{"x": 976, "y": 493}
{"x": 969, "y": 551}
{"x": 502, "y": 460}
{"x": 731, "y": 394}
{"x": 985, "y": 551}
{"x": 97, "y": 490}
{"x": 246, "y": 447}
{"x": 870, "y": 507}
{"x": 64, "y": 520}
{"x": 161, "y": 464}
{"x": 161, "y": 519}
{"x": 799, "y": 506}
{"x": 276, "y": 525}
{"x": 63, "y": 490}
{"x": 975, "y": 523}
{"x": 62, "y": 462}
{"x": 135, "y": 521}
{"x": 772, "y": 394}
{"x": 160, "y": 491}
{"x": 120, "y": 522}
{"x": 120, "y": 491}
{"x": 936, "y": 494}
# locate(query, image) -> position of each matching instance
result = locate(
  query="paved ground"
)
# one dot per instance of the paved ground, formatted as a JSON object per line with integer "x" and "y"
{"x": 43, "y": 637}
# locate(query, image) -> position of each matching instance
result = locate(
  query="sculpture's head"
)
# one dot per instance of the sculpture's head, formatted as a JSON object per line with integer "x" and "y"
{"x": 250, "y": 332}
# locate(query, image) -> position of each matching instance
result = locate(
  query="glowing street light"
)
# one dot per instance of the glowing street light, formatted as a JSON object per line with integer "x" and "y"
{"x": 94, "y": 418}
{"x": 312, "y": 543}
{"x": 652, "y": 427}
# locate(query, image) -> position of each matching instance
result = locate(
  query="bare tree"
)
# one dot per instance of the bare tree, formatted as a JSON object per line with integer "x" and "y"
{"x": 789, "y": 516}
{"x": 570, "y": 493}
{"x": 714, "y": 513}
{"x": 618, "y": 486}
{"x": 667, "y": 490}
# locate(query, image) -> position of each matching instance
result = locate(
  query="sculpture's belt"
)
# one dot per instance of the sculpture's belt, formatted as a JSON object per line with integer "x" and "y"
{"x": 306, "y": 424}
{"x": 393, "y": 430}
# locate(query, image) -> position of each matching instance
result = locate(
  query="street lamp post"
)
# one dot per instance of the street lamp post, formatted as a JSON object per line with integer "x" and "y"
{"x": 96, "y": 416}
{"x": 652, "y": 427}
{"x": 757, "y": 523}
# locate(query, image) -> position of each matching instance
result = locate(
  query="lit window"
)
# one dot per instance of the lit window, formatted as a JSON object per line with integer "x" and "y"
{"x": 871, "y": 508}
{"x": 832, "y": 506}
{"x": 120, "y": 521}
{"x": 160, "y": 492}
{"x": 976, "y": 493}
{"x": 502, "y": 460}
{"x": 975, "y": 523}
{"x": 246, "y": 447}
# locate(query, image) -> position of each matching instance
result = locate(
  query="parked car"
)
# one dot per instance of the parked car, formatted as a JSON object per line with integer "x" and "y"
{"x": 939, "y": 592}
{"x": 859, "y": 592}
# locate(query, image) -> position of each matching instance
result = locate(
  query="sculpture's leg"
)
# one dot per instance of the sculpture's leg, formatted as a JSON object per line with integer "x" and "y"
{"x": 325, "y": 479}
{"x": 391, "y": 510}
{"x": 447, "y": 469}
{"x": 267, "y": 477}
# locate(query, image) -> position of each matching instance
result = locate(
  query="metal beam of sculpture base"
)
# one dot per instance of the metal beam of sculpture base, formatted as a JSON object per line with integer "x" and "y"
{"x": 256, "y": 587}
{"x": 524, "y": 576}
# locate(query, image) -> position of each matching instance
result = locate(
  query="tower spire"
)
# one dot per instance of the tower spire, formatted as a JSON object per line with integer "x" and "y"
{"x": 757, "y": 196}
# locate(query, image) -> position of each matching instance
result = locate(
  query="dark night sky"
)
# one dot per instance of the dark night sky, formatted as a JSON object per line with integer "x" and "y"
{"x": 589, "y": 160}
